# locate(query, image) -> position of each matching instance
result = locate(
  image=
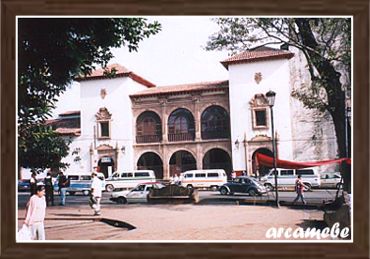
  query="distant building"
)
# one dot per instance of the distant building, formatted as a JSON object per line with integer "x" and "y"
{"x": 128, "y": 123}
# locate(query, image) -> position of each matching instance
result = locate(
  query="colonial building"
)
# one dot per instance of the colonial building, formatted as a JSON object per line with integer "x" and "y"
{"x": 128, "y": 123}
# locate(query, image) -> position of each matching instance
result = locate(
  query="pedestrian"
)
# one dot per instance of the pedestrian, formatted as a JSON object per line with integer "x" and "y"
{"x": 176, "y": 179}
{"x": 299, "y": 188}
{"x": 49, "y": 189}
{"x": 95, "y": 193}
{"x": 63, "y": 184}
{"x": 233, "y": 175}
{"x": 33, "y": 184}
{"x": 35, "y": 214}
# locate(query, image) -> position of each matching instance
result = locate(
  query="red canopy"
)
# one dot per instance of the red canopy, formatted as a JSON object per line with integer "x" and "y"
{"x": 268, "y": 161}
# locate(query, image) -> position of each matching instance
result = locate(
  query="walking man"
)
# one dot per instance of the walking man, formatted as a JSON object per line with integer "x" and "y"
{"x": 299, "y": 188}
{"x": 63, "y": 183}
{"x": 96, "y": 193}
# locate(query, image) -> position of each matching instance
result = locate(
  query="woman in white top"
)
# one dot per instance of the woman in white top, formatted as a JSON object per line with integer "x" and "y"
{"x": 35, "y": 213}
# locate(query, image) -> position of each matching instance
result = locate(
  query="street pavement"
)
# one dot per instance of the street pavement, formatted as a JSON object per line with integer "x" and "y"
{"x": 215, "y": 217}
{"x": 316, "y": 197}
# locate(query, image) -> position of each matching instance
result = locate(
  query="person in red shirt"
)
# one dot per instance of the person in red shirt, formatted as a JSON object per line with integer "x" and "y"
{"x": 299, "y": 188}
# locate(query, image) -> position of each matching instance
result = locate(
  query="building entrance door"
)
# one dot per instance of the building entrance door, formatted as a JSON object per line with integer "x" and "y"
{"x": 106, "y": 165}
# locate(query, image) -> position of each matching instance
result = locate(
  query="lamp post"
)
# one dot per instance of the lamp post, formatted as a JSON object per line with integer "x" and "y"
{"x": 271, "y": 101}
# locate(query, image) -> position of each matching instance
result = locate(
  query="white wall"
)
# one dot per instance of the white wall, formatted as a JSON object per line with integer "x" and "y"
{"x": 118, "y": 103}
{"x": 242, "y": 88}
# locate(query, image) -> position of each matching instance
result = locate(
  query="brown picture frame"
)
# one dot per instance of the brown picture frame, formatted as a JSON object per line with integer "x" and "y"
{"x": 358, "y": 249}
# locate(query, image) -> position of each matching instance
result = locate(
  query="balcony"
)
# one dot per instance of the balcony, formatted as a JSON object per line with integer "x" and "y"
{"x": 181, "y": 137}
{"x": 215, "y": 134}
{"x": 148, "y": 139}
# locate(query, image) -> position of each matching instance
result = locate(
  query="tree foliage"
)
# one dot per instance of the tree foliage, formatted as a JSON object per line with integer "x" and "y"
{"x": 52, "y": 52}
{"x": 325, "y": 43}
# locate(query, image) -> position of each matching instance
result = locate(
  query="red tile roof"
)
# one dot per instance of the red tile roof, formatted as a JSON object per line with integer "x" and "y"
{"x": 69, "y": 131}
{"x": 202, "y": 86}
{"x": 69, "y": 113}
{"x": 257, "y": 54}
{"x": 121, "y": 71}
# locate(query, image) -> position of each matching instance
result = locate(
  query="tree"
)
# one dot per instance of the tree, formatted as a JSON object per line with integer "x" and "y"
{"x": 44, "y": 149}
{"x": 52, "y": 53}
{"x": 326, "y": 45}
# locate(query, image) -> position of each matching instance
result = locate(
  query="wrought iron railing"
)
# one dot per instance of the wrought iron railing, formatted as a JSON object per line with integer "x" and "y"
{"x": 181, "y": 136}
{"x": 148, "y": 138}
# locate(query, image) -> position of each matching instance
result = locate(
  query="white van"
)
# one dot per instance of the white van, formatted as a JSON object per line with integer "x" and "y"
{"x": 128, "y": 179}
{"x": 287, "y": 178}
{"x": 206, "y": 178}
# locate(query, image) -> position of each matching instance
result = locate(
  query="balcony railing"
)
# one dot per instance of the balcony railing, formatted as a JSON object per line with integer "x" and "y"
{"x": 215, "y": 134}
{"x": 181, "y": 136}
{"x": 148, "y": 138}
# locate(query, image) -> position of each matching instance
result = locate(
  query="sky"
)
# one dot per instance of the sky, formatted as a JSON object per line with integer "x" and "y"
{"x": 175, "y": 55}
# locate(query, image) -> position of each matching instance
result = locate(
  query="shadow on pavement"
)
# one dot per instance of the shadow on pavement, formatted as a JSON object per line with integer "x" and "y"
{"x": 118, "y": 223}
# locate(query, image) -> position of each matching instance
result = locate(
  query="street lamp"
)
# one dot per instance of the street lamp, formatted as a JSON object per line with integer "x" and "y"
{"x": 271, "y": 101}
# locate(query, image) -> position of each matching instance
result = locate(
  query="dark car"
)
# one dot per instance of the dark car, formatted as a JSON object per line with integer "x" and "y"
{"x": 243, "y": 184}
{"x": 24, "y": 185}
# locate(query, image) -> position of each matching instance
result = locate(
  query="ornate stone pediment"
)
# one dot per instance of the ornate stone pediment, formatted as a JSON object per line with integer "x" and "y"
{"x": 103, "y": 114}
{"x": 259, "y": 100}
{"x": 104, "y": 147}
{"x": 260, "y": 138}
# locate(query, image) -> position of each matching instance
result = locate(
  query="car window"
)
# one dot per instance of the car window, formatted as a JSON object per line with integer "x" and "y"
{"x": 140, "y": 188}
{"x": 286, "y": 172}
{"x": 200, "y": 175}
{"x": 126, "y": 175}
{"x": 188, "y": 175}
{"x": 73, "y": 177}
{"x": 85, "y": 177}
{"x": 305, "y": 172}
{"x": 141, "y": 174}
{"x": 212, "y": 174}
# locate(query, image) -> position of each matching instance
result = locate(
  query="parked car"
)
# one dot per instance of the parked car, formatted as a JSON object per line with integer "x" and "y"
{"x": 287, "y": 178}
{"x": 206, "y": 178}
{"x": 136, "y": 195}
{"x": 24, "y": 185}
{"x": 80, "y": 183}
{"x": 128, "y": 179}
{"x": 330, "y": 180}
{"x": 243, "y": 184}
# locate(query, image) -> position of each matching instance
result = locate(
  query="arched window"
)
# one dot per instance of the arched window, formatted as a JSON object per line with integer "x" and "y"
{"x": 181, "y": 125}
{"x": 148, "y": 128}
{"x": 215, "y": 123}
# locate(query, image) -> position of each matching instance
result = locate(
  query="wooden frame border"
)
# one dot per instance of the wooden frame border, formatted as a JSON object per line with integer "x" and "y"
{"x": 360, "y": 11}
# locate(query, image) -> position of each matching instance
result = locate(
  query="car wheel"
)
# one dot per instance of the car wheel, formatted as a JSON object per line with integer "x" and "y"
{"x": 86, "y": 192}
{"x": 109, "y": 188}
{"x": 214, "y": 188}
{"x": 269, "y": 186}
{"x": 71, "y": 193}
{"x": 121, "y": 200}
{"x": 309, "y": 187}
{"x": 189, "y": 186}
{"x": 252, "y": 192}
{"x": 223, "y": 191}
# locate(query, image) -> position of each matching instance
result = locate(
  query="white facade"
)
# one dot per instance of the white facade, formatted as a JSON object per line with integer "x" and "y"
{"x": 117, "y": 102}
{"x": 301, "y": 134}
{"x": 242, "y": 89}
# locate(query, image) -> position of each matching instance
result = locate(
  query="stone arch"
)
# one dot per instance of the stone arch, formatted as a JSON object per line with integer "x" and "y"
{"x": 148, "y": 127}
{"x": 215, "y": 122}
{"x": 181, "y": 125}
{"x": 260, "y": 170}
{"x": 152, "y": 161}
{"x": 218, "y": 158}
{"x": 180, "y": 161}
